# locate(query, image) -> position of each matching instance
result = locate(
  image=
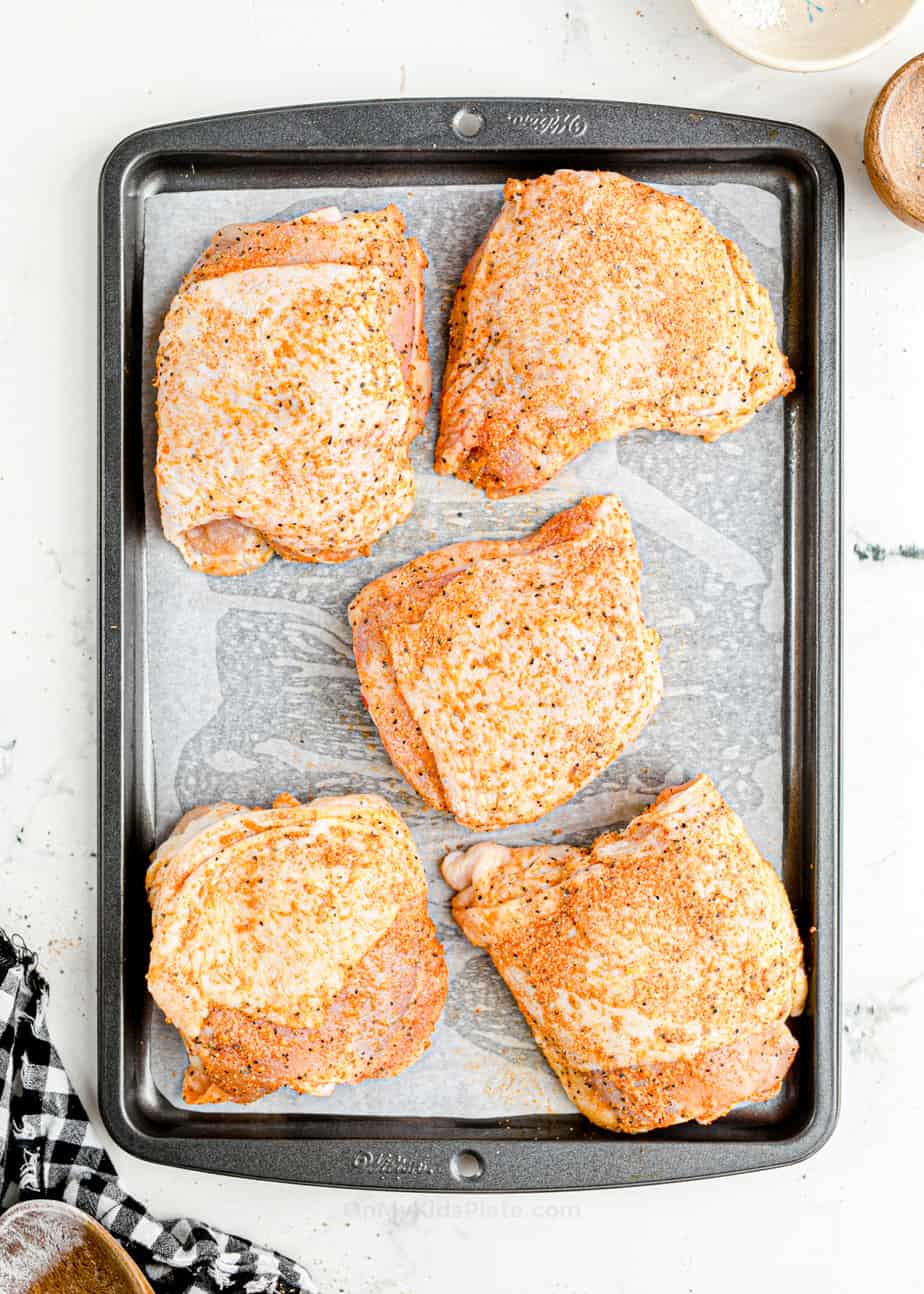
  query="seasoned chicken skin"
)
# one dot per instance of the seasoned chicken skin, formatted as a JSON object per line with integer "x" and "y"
{"x": 292, "y": 946}
{"x": 292, "y": 376}
{"x": 596, "y": 306}
{"x": 365, "y": 239}
{"x": 505, "y": 675}
{"x": 656, "y": 969}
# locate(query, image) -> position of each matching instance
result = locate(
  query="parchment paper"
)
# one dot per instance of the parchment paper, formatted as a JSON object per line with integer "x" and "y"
{"x": 251, "y": 687}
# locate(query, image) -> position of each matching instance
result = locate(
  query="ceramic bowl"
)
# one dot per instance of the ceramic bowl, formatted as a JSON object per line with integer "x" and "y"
{"x": 804, "y": 35}
{"x": 893, "y": 145}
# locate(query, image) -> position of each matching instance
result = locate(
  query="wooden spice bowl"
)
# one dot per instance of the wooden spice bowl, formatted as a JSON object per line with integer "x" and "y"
{"x": 48, "y": 1247}
{"x": 894, "y": 144}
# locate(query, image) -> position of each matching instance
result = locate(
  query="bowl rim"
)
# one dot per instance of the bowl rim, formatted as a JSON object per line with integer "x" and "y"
{"x": 705, "y": 9}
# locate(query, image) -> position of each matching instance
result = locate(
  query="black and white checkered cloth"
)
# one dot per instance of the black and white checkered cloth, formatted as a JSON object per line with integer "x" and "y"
{"x": 49, "y": 1150}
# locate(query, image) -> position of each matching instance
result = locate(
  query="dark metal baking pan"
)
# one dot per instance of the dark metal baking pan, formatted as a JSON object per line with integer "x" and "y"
{"x": 456, "y": 142}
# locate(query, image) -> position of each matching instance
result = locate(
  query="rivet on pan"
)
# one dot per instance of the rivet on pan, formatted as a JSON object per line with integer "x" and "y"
{"x": 467, "y": 123}
{"x": 466, "y": 1166}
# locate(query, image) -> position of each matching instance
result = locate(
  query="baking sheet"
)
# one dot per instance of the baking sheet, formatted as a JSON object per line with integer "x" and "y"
{"x": 251, "y": 688}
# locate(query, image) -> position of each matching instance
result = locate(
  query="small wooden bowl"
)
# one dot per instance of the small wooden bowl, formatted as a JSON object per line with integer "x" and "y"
{"x": 52, "y": 1247}
{"x": 894, "y": 144}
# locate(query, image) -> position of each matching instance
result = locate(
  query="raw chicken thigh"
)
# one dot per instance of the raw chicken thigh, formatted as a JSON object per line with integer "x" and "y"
{"x": 292, "y": 376}
{"x": 656, "y": 969}
{"x": 504, "y": 675}
{"x": 596, "y": 306}
{"x": 292, "y": 945}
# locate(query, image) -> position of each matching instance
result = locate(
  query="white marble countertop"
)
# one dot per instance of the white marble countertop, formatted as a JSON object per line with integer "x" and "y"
{"x": 77, "y": 78}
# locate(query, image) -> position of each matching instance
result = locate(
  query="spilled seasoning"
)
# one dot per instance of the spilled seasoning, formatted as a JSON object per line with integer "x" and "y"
{"x": 878, "y": 552}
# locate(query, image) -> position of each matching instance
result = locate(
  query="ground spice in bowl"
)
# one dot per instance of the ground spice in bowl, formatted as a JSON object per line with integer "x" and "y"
{"x": 51, "y": 1248}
